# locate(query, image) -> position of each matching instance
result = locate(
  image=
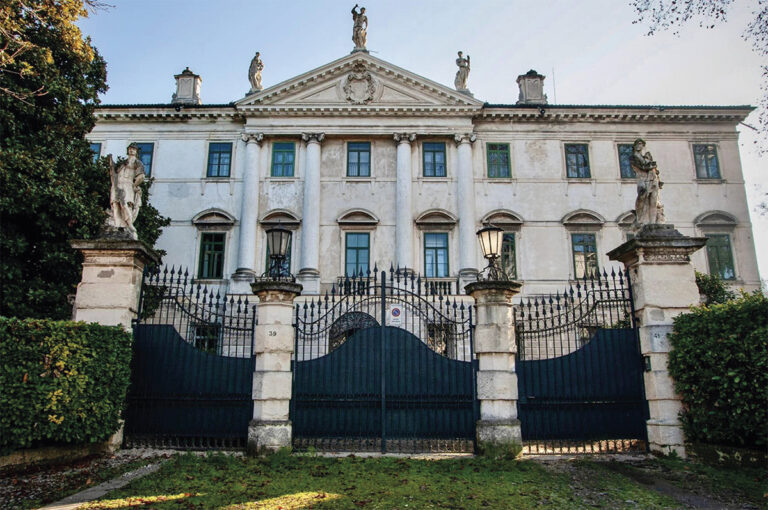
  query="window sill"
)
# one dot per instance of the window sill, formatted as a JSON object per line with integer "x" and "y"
{"x": 282, "y": 179}
{"x": 499, "y": 179}
{"x": 434, "y": 179}
{"x": 580, "y": 180}
{"x": 217, "y": 179}
{"x": 358, "y": 179}
{"x": 707, "y": 180}
{"x": 628, "y": 180}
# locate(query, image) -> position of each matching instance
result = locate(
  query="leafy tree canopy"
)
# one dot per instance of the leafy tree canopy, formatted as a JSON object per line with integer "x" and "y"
{"x": 51, "y": 189}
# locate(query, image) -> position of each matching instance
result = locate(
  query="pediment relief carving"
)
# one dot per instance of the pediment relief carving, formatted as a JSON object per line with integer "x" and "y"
{"x": 503, "y": 218}
{"x": 213, "y": 217}
{"x": 436, "y": 218}
{"x": 359, "y": 86}
{"x": 357, "y": 217}
{"x": 583, "y": 217}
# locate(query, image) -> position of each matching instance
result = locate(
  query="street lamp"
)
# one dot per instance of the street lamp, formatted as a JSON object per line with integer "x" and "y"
{"x": 278, "y": 240}
{"x": 491, "y": 238}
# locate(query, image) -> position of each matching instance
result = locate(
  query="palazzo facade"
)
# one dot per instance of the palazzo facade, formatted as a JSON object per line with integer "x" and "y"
{"x": 371, "y": 165}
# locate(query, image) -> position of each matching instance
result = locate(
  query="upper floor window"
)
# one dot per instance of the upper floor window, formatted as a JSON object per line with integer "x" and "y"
{"x": 358, "y": 248}
{"x": 508, "y": 262}
{"x": 625, "y": 152}
{"x": 211, "y": 255}
{"x": 720, "y": 256}
{"x": 436, "y": 255}
{"x": 584, "y": 254}
{"x": 219, "y": 159}
{"x": 434, "y": 159}
{"x": 283, "y": 159}
{"x": 359, "y": 159}
{"x": 498, "y": 160}
{"x": 96, "y": 150}
{"x": 577, "y": 160}
{"x": 145, "y": 155}
{"x": 705, "y": 158}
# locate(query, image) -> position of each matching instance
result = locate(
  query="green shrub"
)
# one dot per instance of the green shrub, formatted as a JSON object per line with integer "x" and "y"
{"x": 62, "y": 382}
{"x": 719, "y": 361}
{"x": 713, "y": 288}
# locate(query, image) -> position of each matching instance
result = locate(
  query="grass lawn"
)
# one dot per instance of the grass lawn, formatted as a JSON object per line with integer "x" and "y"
{"x": 289, "y": 482}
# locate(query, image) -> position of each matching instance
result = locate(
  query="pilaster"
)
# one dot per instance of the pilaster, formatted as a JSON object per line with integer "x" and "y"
{"x": 249, "y": 211}
{"x": 466, "y": 208}
{"x": 403, "y": 206}
{"x": 309, "y": 274}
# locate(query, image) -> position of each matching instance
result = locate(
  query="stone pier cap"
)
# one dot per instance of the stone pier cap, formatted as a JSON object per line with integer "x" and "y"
{"x": 140, "y": 248}
{"x": 287, "y": 289}
{"x": 494, "y": 285}
{"x": 659, "y": 244}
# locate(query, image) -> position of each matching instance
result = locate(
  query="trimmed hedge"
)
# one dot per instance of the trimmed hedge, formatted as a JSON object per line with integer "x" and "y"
{"x": 62, "y": 381}
{"x": 719, "y": 361}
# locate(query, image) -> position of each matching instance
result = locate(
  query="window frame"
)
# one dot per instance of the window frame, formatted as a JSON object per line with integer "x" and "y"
{"x": 447, "y": 249}
{"x": 489, "y": 151}
{"x": 715, "y": 151}
{"x": 727, "y": 237}
{"x": 357, "y": 250}
{"x": 147, "y": 166}
{"x": 566, "y": 145}
{"x": 275, "y": 151}
{"x": 425, "y": 151}
{"x": 622, "y": 176}
{"x": 202, "y": 255}
{"x": 209, "y": 164}
{"x": 96, "y": 153}
{"x": 359, "y": 151}
{"x": 513, "y": 235}
{"x": 574, "y": 252}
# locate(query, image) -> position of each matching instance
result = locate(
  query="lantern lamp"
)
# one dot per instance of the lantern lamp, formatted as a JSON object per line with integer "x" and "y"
{"x": 491, "y": 238}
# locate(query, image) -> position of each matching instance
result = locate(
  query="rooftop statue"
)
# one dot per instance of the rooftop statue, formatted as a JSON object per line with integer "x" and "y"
{"x": 648, "y": 207}
{"x": 359, "y": 28}
{"x": 125, "y": 194}
{"x": 254, "y": 73}
{"x": 463, "y": 73}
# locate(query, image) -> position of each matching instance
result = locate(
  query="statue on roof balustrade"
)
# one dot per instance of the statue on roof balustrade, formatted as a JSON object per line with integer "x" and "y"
{"x": 254, "y": 73}
{"x": 463, "y": 73}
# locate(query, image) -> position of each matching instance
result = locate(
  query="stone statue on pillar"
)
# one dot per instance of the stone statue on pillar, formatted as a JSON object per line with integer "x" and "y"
{"x": 463, "y": 73}
{"x": 125, "y": 197}
{"x": 359, "y": 28}
{"x": 648, "y": 207}
{"x": 254, "y": 73}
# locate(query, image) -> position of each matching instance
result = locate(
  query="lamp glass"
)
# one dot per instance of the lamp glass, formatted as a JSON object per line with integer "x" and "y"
{"x": 490, "y": 238}
{"x": 278, "y": 238}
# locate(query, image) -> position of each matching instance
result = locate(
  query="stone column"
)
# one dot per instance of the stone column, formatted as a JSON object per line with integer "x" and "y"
{"x": 403, "y": 207}
{"x": 309, "y": 274}
{"x": 108, "y": 292}
{"x": 273, "y": 343}
{"x": 495, "y": 349}
{"x": 249, "y": 216}
{"x": 466, "y": 199}
{"x": 663, "y": 286}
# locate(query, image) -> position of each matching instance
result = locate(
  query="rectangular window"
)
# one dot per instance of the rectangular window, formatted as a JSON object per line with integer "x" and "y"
{"x": 285, "y": 268}
{"x": 577, "y": 160}
{"x": 207, "y": 337}
{"x": 705, "y": 158}
{"x": 584, "y": 255}
{"x": 359, "y": 159}
{"x": 436, "y": 255}
{"x": 96, "y": 150}
{"x": 358, "y": 254}
{"x": 434, "y": 159}
{"x": 219, "y": 159}
{"x": 508, "y": 263}
{"x": 211, "y": 256}
{"x": 145, "y": 155}
{"x": 498, "y": 160}
{"x": 720, "y": 256}
{"x": 283, "y": 159}
{"x": 625, "y": 152}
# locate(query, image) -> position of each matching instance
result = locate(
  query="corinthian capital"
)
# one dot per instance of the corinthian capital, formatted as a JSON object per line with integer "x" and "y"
{"x": 460, "y": 138}
{"x": 404, "y": 137}
{"x": 252, "y": 137}
{"x": 313, "y": 137}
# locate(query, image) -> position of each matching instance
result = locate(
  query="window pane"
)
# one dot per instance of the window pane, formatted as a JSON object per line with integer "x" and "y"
{"x": 145, "y": 155}
{"x": 584, "y": 254}
{"x": 283, "y": 155}
{"x": 498, "y": 160}
{"x": 436, "y": 255}
{"x": 96, "y": 149}
{"x": 508, "y": 263}
{"x": 434, "y": 159}
{"x": 705, "y": 159}
{"x": 577, "y": 160}
{"x": 358, "y": 159}
{"x": 357, "y": 253}
{"x": 625, "y": 152}
{"x": 211, "y": 256}
{"x": 219, "y": 156}
{"x": 720, "y": 256}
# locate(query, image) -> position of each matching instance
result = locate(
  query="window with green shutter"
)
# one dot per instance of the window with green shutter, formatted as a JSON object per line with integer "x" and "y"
{"x": 359, "y": 159}
{"x": 584, "y": 254}
{"x": 577, "y": 161}
{"x": 498, "y": 160}
{"x": 211, "y": 256}
{"x": 720, "y": 256}
{"x": 434, "y": 159}
{"x": 508, "y": 262}
{"x": 145, "y": 155}
{"x": 436, "y": 255}
{"x": 219, "y": 159}
{"x": 358, "y": 248}
{"x": 705, "y": 158}
{"x": 283, "y": 159}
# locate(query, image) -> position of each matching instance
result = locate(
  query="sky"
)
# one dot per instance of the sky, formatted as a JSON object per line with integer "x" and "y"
{"x": 589, "y": 50}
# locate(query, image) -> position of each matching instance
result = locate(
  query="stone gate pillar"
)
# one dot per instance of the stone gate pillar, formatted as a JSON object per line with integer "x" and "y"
{"x": 663, "y": 286}
{"x": 495, "y": 348}
{"x": 108, "y": 292}
{"x": 273, "y": 343}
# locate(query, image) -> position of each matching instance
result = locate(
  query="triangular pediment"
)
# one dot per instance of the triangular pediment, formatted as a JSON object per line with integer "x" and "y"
{"x": 358, "y": 81}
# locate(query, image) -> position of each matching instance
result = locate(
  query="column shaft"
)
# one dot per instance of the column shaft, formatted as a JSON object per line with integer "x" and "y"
{"x": 249, "y": 205}
{"x": 466, "y": 202}
{"x": 404, "y": 218}
{"x": 309, "y": 274}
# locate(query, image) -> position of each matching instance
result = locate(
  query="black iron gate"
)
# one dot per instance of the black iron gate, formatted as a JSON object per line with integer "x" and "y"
{"x": 580, "y": 371}
{"x": 384, "y": 362}
{"x": 192, "y": 366}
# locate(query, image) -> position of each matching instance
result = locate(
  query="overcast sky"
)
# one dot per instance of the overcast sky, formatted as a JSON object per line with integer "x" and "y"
{"x": 589, "y": 50}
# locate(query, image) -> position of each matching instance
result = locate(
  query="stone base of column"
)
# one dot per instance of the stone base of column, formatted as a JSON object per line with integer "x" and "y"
{"x": 466, "y": 276}
{"x": 241, "y": 281}
{"x": 666, "y": 437}
{"x": 309, "y": 280}
{"x": 268, "y": 436}
{"x": 499, "y": 433}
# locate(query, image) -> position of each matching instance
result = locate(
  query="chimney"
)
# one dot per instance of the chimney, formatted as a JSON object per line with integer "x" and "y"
{"x": 187, "y": 88}
{"x": 531, "y": 88}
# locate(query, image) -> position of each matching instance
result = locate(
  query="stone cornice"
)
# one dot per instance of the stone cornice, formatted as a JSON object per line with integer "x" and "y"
{"x": 586, "y": 113}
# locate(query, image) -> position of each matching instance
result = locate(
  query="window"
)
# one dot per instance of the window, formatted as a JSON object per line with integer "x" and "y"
{"x": 145, "y": 155}
{"x": 720, "y": 256}
{"x": 705, "y": 158}
{"x": 436, "y": 255}
{"x": 434, "y": 159}
{"x": 285, "y": 267}
{"x": 211, "y": 256}
{"x": 577, "y": 160}
{"x": 219, "y": 159}
{"x": 498, "y": 160}
{"x": 508, "y": 255}
{"x": 584, "y": 254}
{"x": 357, "y": 255}
{"x": 625, "y": 152}
{"x": 206, "y": 337}
{"x": 283, "y": 159}
{"x": 359, "y": 159}
{"x": 96, "y": 149}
